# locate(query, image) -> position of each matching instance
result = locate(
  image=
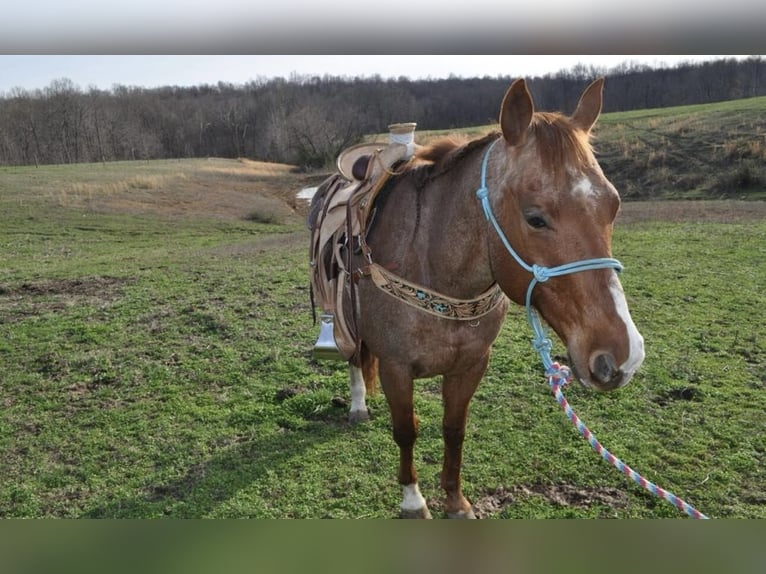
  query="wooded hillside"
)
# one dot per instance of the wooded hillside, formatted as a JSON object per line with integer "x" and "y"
{"x": 306, "y": 121}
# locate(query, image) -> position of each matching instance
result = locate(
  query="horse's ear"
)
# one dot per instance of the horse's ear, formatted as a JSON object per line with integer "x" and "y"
{"x": 589, "y": 106}
{"x": 516, "y": 113}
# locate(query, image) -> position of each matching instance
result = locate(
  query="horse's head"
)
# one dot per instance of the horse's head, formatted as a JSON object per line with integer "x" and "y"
{"x": 555, "y": 206}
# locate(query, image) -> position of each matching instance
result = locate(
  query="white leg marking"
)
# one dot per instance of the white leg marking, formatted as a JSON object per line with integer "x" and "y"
{"x": 636, "y": 353}
{"x": 358, "y": 391}
{"x": 412, "y": 500}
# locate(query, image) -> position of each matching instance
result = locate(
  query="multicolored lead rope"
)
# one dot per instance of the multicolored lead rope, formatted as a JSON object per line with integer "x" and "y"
{"x": 558, "y": 377}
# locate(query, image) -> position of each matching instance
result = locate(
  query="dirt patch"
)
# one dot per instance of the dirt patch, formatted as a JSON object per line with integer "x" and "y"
{"x": 677, "y": 211}
{"x": 32, "y": 298}
{"x": 679, "y": 394}
{"x": 287, "y": 393}
{"x": 81, "y": 286}
{"x": 559, "y": 494}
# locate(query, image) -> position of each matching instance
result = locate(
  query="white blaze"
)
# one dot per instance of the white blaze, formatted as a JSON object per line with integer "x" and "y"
{"x": 584, "y": 187}
{"x": 636, "y": 352}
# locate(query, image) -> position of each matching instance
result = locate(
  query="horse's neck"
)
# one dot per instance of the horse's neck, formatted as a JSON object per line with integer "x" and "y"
{"x": 441, "y": 239}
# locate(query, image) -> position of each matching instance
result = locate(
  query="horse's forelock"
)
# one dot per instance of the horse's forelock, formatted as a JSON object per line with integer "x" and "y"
{"x": 560, "y": 146}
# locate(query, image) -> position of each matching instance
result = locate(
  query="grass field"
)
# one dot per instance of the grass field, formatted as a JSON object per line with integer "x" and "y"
{"x": 155, "y": 339}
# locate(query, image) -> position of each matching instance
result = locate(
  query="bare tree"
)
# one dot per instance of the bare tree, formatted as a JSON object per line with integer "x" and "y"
{"x": 307, "y": 120}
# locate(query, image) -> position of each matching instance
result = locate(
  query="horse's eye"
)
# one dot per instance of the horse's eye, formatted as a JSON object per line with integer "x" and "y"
{"x": 536, "y": 222}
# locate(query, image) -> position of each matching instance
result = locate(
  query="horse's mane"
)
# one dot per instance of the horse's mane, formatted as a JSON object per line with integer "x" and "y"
{"x": 559, "y": 144}
{"x": 447, "y": 151}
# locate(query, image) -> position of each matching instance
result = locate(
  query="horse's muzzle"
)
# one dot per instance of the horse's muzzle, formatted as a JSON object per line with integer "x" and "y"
{"x": 605, "y": 371}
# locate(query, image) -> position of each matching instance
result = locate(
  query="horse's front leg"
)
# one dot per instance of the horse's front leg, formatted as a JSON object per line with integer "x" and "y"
{"x": 457, "y": 390}
{"x": 398, "y": 388}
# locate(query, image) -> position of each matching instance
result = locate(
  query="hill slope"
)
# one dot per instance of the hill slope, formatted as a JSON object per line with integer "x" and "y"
{"x": 703, "y": 151}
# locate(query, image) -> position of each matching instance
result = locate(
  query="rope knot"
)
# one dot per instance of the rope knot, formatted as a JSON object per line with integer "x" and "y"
{"x": 542, "y": 345}
{"x": 483, "y": 194}
{"x": 542, "y": 274}
{"x": 558, "y": 375}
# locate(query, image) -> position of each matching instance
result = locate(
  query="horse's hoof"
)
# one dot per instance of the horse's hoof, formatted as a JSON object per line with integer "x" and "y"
{"x": 356, "y": 417}
{"x": 421, "y": 513}
{"x": 462, "y": 515}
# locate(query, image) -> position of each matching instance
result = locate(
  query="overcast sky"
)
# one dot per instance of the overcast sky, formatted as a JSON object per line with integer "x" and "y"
{"x": 37, "y": 71}
{"x": 310, "y": 26}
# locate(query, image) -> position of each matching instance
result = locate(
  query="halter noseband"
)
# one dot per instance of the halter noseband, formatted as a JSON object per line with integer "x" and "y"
{"x": 540, "y": 274}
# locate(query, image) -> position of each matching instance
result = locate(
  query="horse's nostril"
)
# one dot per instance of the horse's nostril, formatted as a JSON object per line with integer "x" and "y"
{"x": 605, "y": 370}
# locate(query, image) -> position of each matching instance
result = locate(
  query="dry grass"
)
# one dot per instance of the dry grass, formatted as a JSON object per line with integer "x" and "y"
{"x": 757, "y": 149}
{"x": 75, "y": 193}
{"x": 712, "y": 151}
{"x": 230, "y": 189}
{"x": 245, "y": 169}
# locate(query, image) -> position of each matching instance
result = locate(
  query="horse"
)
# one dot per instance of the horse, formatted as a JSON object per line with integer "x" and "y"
{"x": 435, "y": 279}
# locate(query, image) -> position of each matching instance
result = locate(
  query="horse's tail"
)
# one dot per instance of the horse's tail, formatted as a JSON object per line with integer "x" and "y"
{"x": 369, "y": 369}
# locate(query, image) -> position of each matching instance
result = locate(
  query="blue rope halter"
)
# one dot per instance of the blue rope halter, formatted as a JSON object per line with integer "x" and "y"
{"x": 540, "y": 274}
{"x": 558, "y": 375}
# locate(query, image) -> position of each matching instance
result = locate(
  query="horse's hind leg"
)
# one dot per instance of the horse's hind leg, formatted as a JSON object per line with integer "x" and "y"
{"x": 457, "y": 391}
{"x": 398, "y": 389}
{"x": 362, "y": 380}
{"x": 358, "y": 412}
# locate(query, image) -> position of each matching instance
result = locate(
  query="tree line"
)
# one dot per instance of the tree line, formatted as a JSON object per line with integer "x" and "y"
{"x": 307, "y": 120}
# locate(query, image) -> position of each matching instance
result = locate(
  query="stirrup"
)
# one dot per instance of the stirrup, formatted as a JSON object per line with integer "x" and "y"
{"x": 325, "y": 349}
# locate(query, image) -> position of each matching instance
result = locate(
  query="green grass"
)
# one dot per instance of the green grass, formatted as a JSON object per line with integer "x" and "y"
{"x": 157, "y": 365}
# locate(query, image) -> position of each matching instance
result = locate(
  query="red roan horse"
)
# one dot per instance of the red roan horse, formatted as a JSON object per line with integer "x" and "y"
{"x": 555, "y": 206}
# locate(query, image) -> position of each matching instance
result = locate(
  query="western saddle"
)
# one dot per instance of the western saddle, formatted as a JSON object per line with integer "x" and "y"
{"x": 340, "y": 213}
